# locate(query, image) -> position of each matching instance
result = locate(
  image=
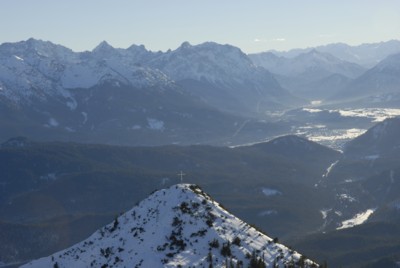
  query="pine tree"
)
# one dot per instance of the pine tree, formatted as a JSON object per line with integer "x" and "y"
{"x": 226, "y": 249}
{"x": 210, "y": 260}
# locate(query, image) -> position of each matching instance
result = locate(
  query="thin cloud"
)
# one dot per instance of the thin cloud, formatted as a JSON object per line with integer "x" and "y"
{"x": 261, "y": 40}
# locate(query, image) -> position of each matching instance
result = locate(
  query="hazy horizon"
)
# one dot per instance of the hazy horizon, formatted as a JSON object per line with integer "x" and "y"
{"x": 254, "y": 27}
{"x": 194, "y": 44}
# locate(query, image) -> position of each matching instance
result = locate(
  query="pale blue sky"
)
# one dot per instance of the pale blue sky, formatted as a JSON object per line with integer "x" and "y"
{"x": 253, "y": 25}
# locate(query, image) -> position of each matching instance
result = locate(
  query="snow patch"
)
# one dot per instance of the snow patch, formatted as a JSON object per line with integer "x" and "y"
{"x": 49, "y": 177}
{"x": 72, "y": 104}
{"x": 18, "y": 58}
{"x": 328, "y": 170}
{"x": 376, "y": 114}
{"x": 372, "y": 157}
{"x": 339, "y": 213}
{"x": 312, "y": 110}
{"x": 343, "y": 134}
{"x": 324, "y": 213}
{"x": 136, "y": 127}
{"x": 346, "y": 197}
{"x": 270, "y": 192}
{"x": 358, "y": 219}
{"x": 85, "y": 117}
{"x": 267, "y": 213}
{"x": 155, "y": 124}
{"x": 53, "y": 122}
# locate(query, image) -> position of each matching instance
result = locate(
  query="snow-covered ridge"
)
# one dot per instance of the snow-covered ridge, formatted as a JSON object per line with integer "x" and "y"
{"x": 38, "y": 69}
{"x": 35, "y": 69}
{"x": 177, "y": 227}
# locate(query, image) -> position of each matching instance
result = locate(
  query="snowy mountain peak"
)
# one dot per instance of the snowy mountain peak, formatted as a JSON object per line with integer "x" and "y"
{"x": 218, "y": 64}
{"x": 176, "y": 227}
{"x": 33, "y": 48}
{"x": 185, "y": 44}
{"x": 103, "y": 46}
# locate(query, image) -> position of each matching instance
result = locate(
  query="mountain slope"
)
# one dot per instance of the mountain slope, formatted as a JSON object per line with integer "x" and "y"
{"x": 310, "y": 66}
{"x": 179, "y": 226}
{"x": 377, "y": 86}
{"x": 300, "y": 151}
{"x": 309, "y": 74}
{"x": 225, "y": 69}
{"x": 366, "y": 179}
{"x": 381, "y": 139}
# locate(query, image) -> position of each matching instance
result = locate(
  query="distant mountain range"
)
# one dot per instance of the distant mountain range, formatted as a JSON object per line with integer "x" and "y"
{"x": 36, "y": 69}
{"x": 364, "y": 75}
{"x": 177, "y": 227}
{"x": 312, "y": 65}
{"x": 312, "y": 74}
{"x": 378, "y": 86}
{"x": 367, "y": 55}
{"x": 195, "y": 94}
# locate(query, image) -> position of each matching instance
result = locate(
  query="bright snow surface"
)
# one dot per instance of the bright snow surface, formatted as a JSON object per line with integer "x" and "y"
{"x": 172, "y": 227}
{"x": 358, "y": 219}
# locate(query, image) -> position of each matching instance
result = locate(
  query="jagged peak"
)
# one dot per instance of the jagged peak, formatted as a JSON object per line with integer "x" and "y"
{"x": 103, "y": 46}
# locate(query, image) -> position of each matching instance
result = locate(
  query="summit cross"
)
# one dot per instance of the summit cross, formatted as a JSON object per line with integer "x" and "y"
{"x": 181, "y": 174}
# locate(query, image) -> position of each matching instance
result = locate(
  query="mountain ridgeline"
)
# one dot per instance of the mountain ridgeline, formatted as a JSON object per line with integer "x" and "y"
{"x": 177, "y": 227}
{"x": 342, "y": 75}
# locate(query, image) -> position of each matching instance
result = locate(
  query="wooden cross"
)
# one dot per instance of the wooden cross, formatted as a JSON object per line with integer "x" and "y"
{"x": 181, "y": 174}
